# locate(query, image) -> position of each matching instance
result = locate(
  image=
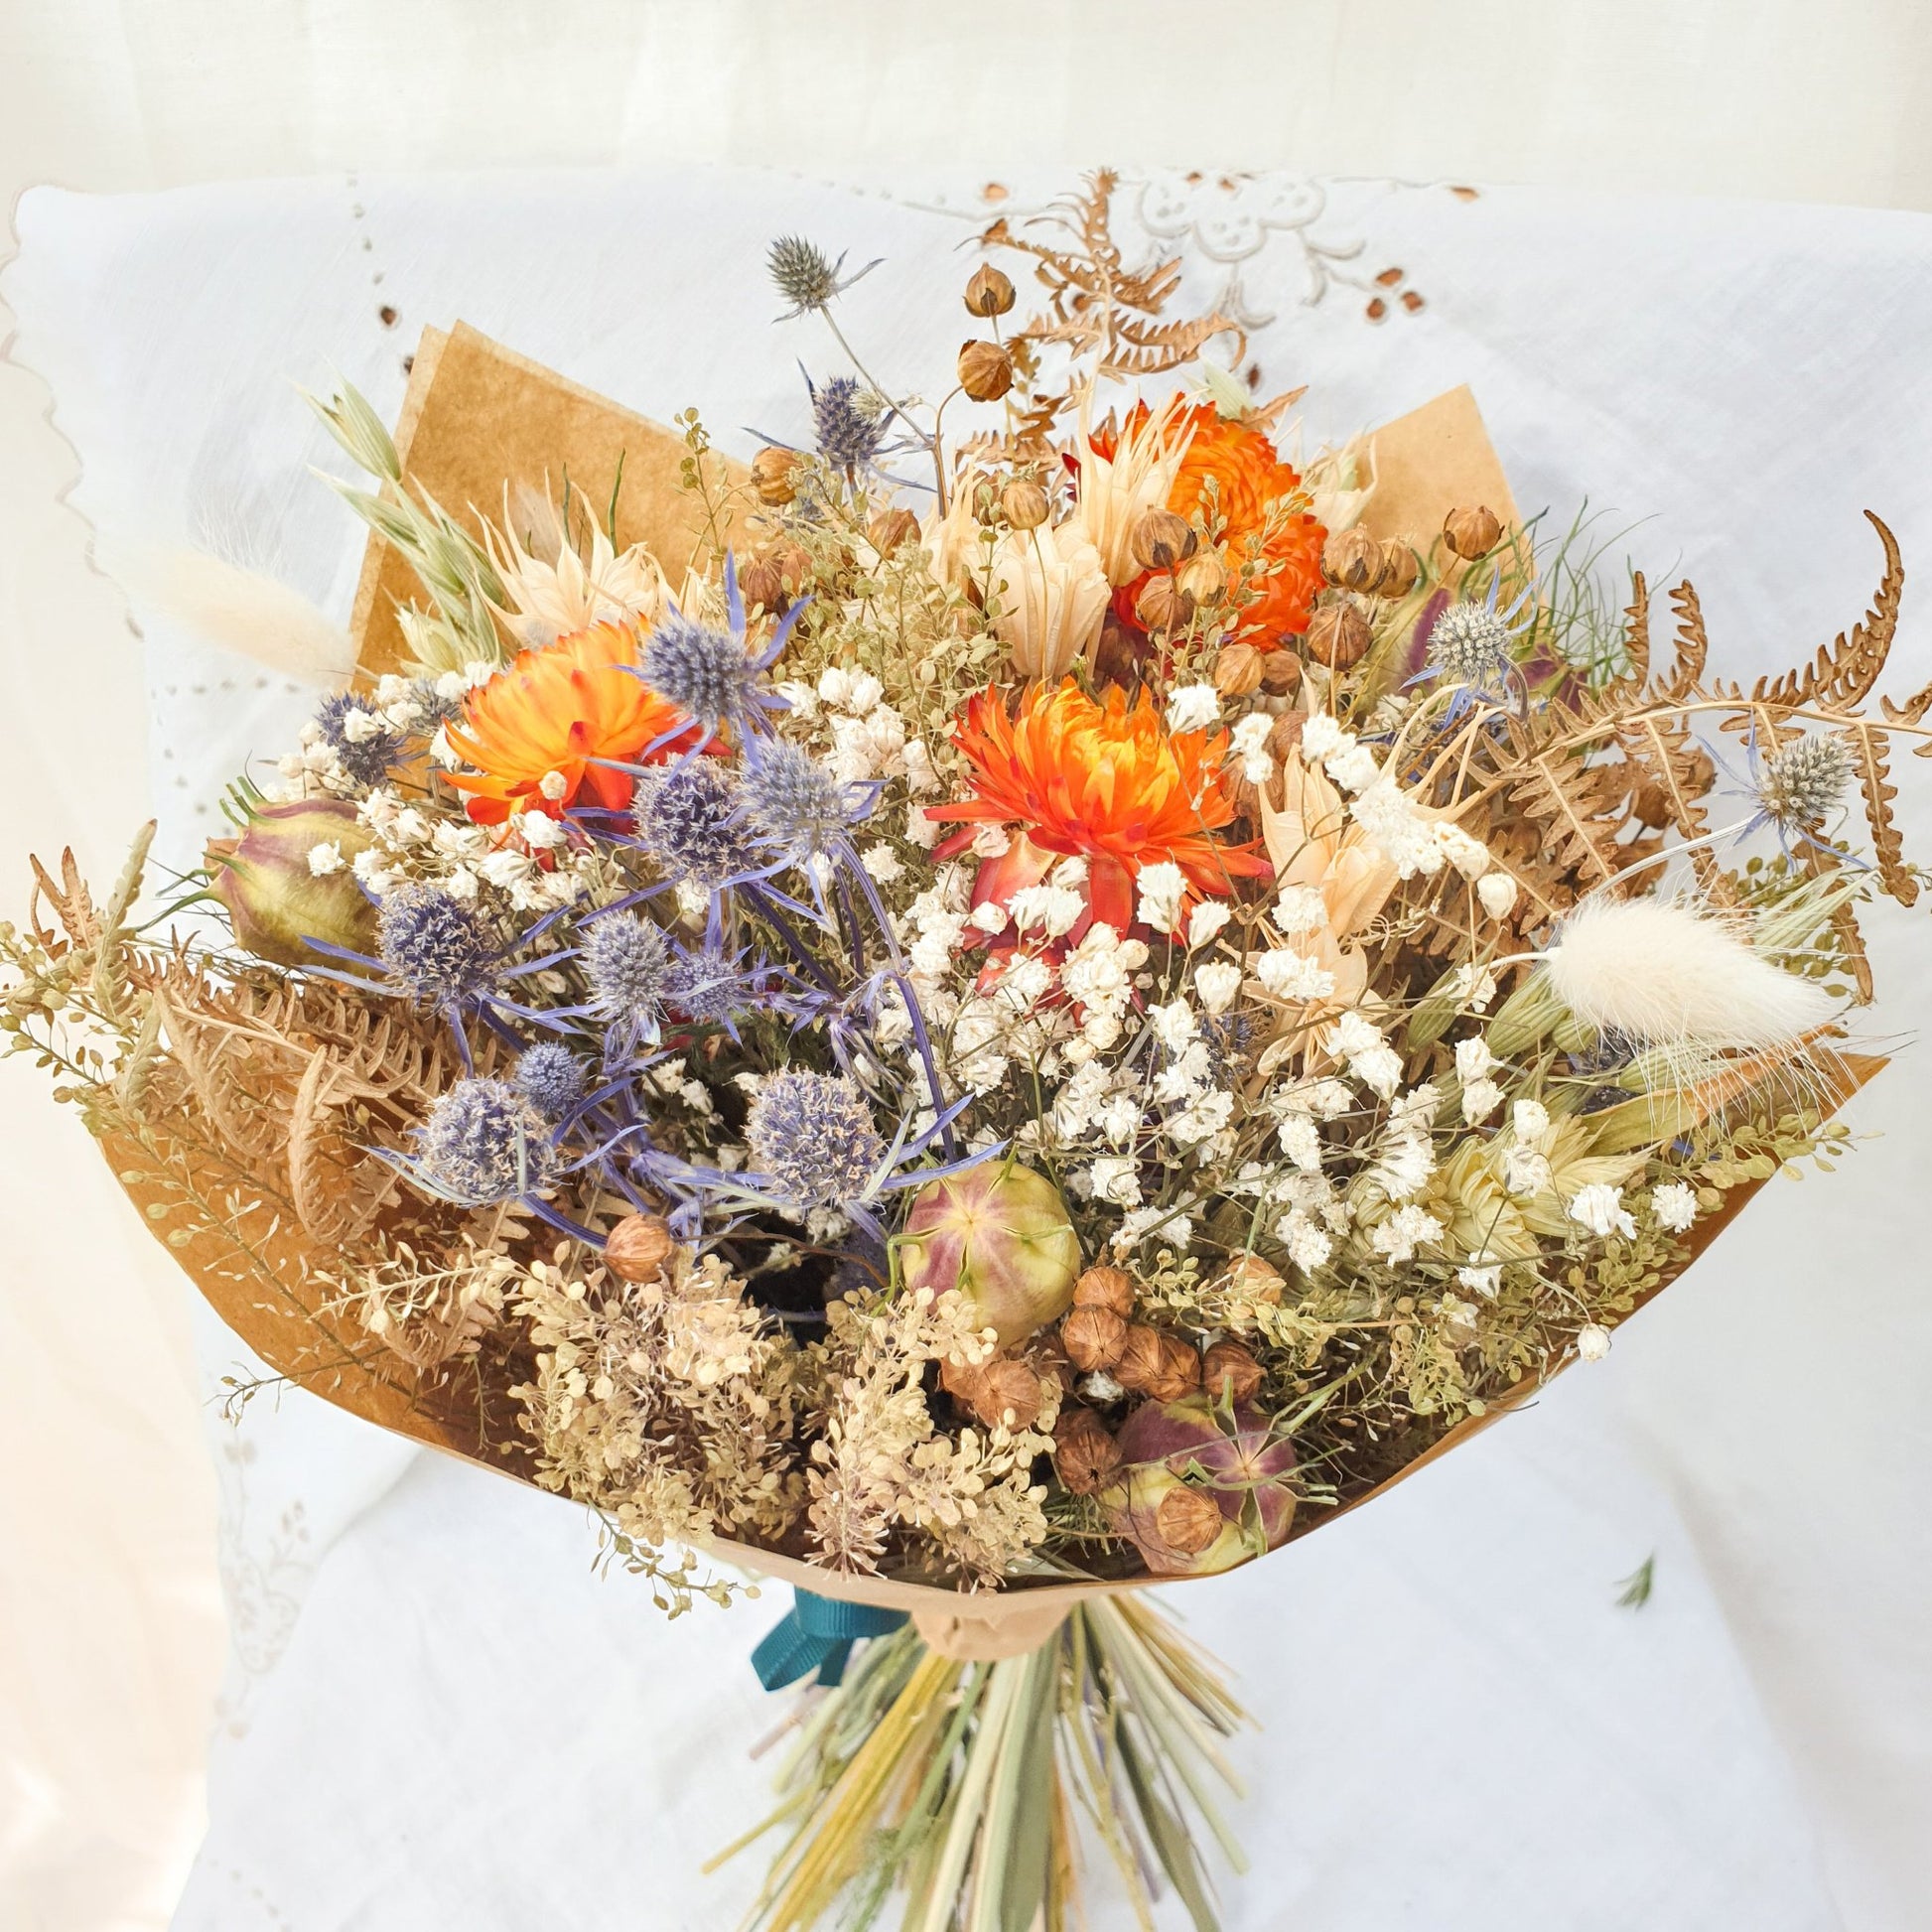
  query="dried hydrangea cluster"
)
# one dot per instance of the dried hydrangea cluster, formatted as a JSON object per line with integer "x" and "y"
{"x": 1068, "y": 1003}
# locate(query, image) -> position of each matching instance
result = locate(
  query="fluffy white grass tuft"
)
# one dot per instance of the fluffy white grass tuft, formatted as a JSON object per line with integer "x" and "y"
{"x": 244, "y": 611}
{"x": 1667, "y": 974}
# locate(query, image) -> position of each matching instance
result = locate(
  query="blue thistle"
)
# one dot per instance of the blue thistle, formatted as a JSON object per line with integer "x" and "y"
{"x": 794, "y": 804}
{"x": 625, "y": 959}
{"x": 551, "y": 1079}
{"x": 711, "y": 673}
{"x": 806, "y": 277}
{"x": 687, "y": 819}
{"x": 367, "y": 757}
{"x": 702, "y": 669}
{"x": 812, "y": 1135}
{"x": 436, "y": 949}
{"x": 483, "y": 1142}
{"x": 711, "y": 986}
{"x": 847, "y": 422}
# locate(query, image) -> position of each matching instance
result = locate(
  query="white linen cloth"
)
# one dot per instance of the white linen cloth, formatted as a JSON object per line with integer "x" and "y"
{"x": 439, "y": 1717}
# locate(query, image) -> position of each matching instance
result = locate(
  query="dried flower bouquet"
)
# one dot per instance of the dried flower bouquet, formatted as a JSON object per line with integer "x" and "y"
{"x": 1042, "y": 1006}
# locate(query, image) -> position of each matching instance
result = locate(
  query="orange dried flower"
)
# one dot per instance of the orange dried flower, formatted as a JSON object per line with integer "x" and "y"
{"x": 553, "y": 711}
{"x": 1100, "y": 780}
{"x": 1250, "y": 479}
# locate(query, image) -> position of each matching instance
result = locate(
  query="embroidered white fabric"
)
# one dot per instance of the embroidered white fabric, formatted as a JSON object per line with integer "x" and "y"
{"x": 436, "y": 1715}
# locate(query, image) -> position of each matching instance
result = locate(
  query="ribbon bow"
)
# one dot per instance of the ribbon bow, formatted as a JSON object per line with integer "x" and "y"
{"x": 817, "y": 1633}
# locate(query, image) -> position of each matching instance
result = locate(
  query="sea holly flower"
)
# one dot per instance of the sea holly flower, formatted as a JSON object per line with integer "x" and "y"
{"x": 1099, "y": 780}
{"x": 807, "y": 277}
{"x": 711, "y": 672}
{"x": 485, "y": 1142}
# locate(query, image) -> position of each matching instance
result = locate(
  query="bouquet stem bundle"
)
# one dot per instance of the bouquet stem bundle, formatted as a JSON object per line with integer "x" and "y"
{"x": 958, "y": 1784}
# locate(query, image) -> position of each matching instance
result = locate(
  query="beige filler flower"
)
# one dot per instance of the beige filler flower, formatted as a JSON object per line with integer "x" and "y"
{"x": 1117, "y": 490}
{"x": 551, "y": 590}
{"x": 1052, "y": 595}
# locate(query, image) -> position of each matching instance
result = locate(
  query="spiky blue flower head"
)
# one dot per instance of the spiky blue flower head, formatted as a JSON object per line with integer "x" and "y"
{"x": 806, "y": 276}
{"x": 794, "y": 803}
{"x": 485, "y": 1142}
{"x": 847, "y": 422}
{"x": 364, "y": 743}
{"x": 433, "y": 706}
{"x": 551, "y": 1079}
{"x": 1474, "y": 643}
{"x": 702, "y": 669}
{"x": 812, "y": 1135}
{"x": 1805, "y": 780}
{"x": 710, "y": 987}
{"x": 625, "y": 959}
{"x": 687, "y": 818}
{"x": 434, "y": 946}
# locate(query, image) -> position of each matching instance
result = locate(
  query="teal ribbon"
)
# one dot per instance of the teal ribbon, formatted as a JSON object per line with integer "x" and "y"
{"x": 816, "y": 1633}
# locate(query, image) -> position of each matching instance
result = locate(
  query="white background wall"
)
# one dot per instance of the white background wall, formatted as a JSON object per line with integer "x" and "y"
{"x": 109, "y": 1614}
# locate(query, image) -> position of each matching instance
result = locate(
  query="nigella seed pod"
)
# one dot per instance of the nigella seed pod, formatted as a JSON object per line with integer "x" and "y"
{"x": 985, "y": 370}
{"x": 1024, "y": 503}
{"x": 1338, "y": 635}
{"x": 1092, "y": 1338}
{"x": 1472, "y": 534}
{"x": 1162, "y": 540}
{"x": 761, "y": 583}
{"x": 1237, "y": 670}
{"x": 1281, "y": 672}
{"x": 1104, "y": 1287}
{"x": 1085, "y": 1456}
{"x": 1353, "y": 560}
{"x": 1161, "y": 605}
{"x": 989, "y": 293}
{"x": 771, "y": 477}
{"x": 275, "y": 897}
{"x": 1400, "y": 569}
{"x": 638, "y": 1247}
{"x": 999, "y": 1234}
{"x": 891, "y": 528}
{"x": 1229, "y": 1373}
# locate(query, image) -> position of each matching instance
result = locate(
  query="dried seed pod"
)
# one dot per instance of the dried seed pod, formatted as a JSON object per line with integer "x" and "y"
{"x": 1102, "y": 1287}
{"x": 1281, "y": 671}
{"x": 1287, "y": 735}
{"x": 985, "y": 370}
{"x": 1162, "y": 540}
{"x": 1204, "y": 577}
{"x": 762, "y": 581}
{"x": 1092, "y": 1338}
{"x": 1472, "y": 534}
{"x": 1160, "y": 1366}
{"x": 771, "y": 477}
{"x": 1354, "y": 558}
{"x": 1162, "y": 605}
{"x": 1024, "y": 504}
{"x": 636, "y": 1249}
{"x": 1401, "y": 567}
{"x": 1338, "y": 635}
{"x": 989, "y": 293}
{"x": 1187, "y": 1520}
{"x": 1085, "y": 1455}
{"x": 1140, "y": 1357}
{"x": 1230, "y": 1371}
{"x": 1006, "y": 1392}
{"x": 890, "y": 529}
{"x": 1253, "y": 1279}
{"x": 1237, "y": 670}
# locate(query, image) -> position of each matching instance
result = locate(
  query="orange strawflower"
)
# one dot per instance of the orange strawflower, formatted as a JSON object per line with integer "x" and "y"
{"x": 554, "y": 710}
{"x": 1250, "y": 477}
{"x": 1101, "y": 782}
